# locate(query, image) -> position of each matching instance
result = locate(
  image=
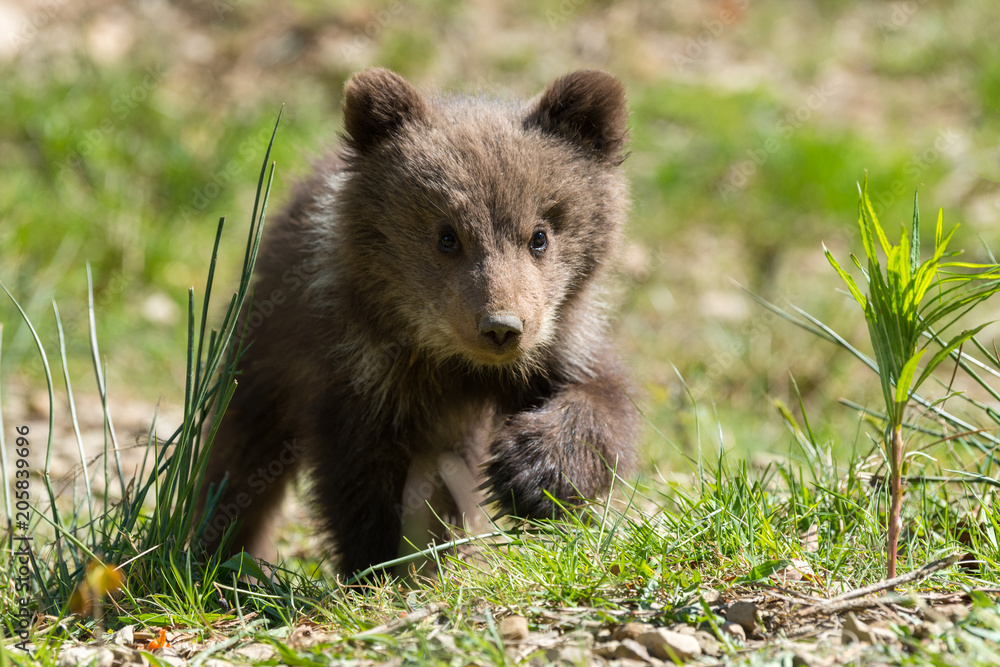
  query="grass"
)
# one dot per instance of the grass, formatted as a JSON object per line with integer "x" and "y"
{"x": 732, "y": 532}
{"x": 144, "y": 534}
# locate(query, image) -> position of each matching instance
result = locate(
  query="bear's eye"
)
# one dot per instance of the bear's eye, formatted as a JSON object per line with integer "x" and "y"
{"x": 539, "y": 241}
{"x": 448, "y": 242}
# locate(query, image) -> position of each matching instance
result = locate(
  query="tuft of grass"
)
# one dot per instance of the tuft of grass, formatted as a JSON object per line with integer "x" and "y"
{"x": 143, "y": 530}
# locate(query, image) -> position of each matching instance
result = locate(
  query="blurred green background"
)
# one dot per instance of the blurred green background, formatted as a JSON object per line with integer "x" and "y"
{"x": 127, "y": 129}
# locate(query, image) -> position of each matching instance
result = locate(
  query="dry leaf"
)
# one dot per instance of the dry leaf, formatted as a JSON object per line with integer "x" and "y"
{"x": 159, "y": 642}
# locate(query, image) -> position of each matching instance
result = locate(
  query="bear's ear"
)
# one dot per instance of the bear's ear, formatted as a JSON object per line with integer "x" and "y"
{"x": 586, "y": 108}
{"x": 378, "y": 102}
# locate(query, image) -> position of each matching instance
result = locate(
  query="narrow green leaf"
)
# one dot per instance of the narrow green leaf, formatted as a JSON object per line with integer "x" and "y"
{"x": 906, "y": 377}
{"x": 873, "y": 221}
{"x": 905, "y": 256}
{"x": 864, "y": 224}
{"x": 940, "y": 249}
{"x": 915, "y": 236}
{"x": 883, "y": 357}
{"x": 944, "y": 352}
{"x": 923, "y": 279}
{"x": 851, "y": 285}
{"x": 766, "y": 569}
{"x": 986, "y": 272}
{"x": 938, "y": 230}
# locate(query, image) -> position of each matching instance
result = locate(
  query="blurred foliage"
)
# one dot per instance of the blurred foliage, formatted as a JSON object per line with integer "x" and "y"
{"x": 126, "y": 131}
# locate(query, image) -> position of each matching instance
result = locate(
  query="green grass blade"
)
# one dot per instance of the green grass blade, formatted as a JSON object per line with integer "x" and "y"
{"x": 72, "y": 412}
{"x": 48, "y": 382}
{"x": 247, "y": 266}
{"x": 208, "y": 298}
{"x": 95, "y": 356}
{"x": 3, "y": 458}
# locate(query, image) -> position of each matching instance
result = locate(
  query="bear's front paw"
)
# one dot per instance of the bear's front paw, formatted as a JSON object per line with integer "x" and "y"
{"x": 546, "y": 452}
{"x": 520, "y": 470}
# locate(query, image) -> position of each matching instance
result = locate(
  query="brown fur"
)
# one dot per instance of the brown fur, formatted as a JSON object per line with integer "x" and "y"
{"x": 370, "y": 355}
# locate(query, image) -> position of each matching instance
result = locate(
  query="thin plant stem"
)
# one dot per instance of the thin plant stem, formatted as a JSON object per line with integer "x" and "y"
{"x": 896, "y": 502}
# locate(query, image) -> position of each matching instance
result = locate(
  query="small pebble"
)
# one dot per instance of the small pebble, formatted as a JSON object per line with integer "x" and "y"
{"x": 710, "y": 595}
{"x": 514, "y": 628}
{"x": 709, "y": 645}
{"x": 630, "y": 649}
{"x": 666, "y": 644}
{"x": 124, "y": 636}
{"x": 855, "y": 630}
{"x": 735, "y": 630}
{"x": 631, "y": 631}
{"x": 744, "y": 614}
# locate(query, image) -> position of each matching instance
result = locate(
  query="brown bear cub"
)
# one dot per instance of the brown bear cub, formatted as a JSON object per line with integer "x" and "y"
{"x": 435, "y": 291}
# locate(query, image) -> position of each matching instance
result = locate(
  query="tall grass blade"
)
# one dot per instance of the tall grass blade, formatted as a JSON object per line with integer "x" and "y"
{"x": 73, "y": 417}
{"x": 48, "y": 383}
{"x": 95, "y": 356}
{"x": 8, "y": 507}
{"x": 209, "y": 386}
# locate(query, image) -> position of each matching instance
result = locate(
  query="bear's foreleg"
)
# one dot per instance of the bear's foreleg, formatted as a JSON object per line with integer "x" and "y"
{"x": 570, "y": 446}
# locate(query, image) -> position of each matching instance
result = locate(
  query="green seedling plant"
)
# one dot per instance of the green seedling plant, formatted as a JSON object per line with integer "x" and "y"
{"x": 905, "y": 307}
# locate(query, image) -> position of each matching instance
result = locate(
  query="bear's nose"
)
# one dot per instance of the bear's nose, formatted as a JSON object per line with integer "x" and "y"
{"x": 501, "y": 329}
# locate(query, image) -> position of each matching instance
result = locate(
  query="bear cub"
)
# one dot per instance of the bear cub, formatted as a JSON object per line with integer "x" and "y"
{"x": 428, "y": 320}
